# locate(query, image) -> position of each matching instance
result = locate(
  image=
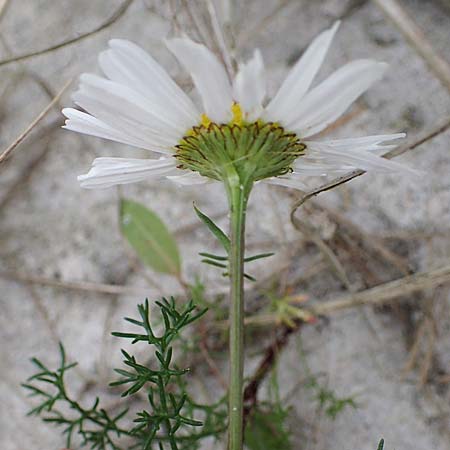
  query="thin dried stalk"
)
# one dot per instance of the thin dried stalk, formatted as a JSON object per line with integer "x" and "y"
{"x": 220, "y": 37}
{"x": 427, "y": 363}
{"x": 120, "y": 11}
{"x": 44, "y": 135}
{"x": 417, "y": 39}
{"x": 3, "y": 4}
{"x": 4, "y": 155}
{"x": 384, "y": 293}
{"x": 212, "y": 365}
{"x": 87, "y": 286}
{"x": 372, "y": 243}
{"x": 39, "y": 156}
{"x": 393, "y": 290}
{"x": 251, "y": 33}
{"x": 415, "y": 349}
{"x": 195, "y": 22}
{"x": 328, "y": 254}
{"x": 174, "y": 17}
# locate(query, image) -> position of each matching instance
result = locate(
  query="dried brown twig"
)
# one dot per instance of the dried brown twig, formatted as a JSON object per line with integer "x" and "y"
{"x": 3, "y": 4}
{"x": 220, "y": 38}
{"x": 41, "y": 139}
{"x": 392, "y": 291}
{"x": 247, "y": 34}
{"x": 44, "y": 133}
{"x": 386, "y": 292}
{"x": 5, "y": 154}
{"x": 120, "y": 11}
{"x": 328, "y": 254}
{"x": 374, "y": 245}
{"x": 415, "y": 36}
{"x": 86, "y": 286}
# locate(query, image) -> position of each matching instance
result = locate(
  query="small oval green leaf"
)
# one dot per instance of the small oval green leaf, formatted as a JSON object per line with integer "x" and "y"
{"x": 149, "y": 237}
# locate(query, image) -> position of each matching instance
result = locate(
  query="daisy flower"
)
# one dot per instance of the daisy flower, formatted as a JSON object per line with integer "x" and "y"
{"x": 237, "y": 132}
{"x": 238, "y": 138}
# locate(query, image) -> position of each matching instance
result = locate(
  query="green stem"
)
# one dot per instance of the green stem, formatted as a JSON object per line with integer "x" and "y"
{"x": 237, "y": 196}
{"x": 162, "y": 393}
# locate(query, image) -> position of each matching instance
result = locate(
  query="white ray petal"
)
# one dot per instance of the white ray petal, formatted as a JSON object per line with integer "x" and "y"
{"x": 129, "y": 65}
{"x": 124, "y": 100}
{"x": 331, "y": 98}
{"x": 189, "y": 179}
{"x": 286, "y": 181}
{"x": 249, "y": 86}
{"x": 123, "y": 123}
{"x": 353, "y": 157}
{"x": 209, "y": 76}
{"x": 107, "y": 172}
{"x": 133, "y": 55}
{"x": 284, "y": 104}
{"x": 122, "y": 114}
{"x": 318, "y": 169}
{"x": 362, "y": 143}
{"x": 84, "y": 123}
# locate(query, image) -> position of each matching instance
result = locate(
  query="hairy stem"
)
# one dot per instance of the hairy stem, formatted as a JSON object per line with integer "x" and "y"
{"x": 237, "y": 197}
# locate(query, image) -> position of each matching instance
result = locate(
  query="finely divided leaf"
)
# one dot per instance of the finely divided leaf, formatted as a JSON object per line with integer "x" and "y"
{"x": 223, "y": 238}
{"x": 259, "y": 256}
{"x": 215, "y": 257}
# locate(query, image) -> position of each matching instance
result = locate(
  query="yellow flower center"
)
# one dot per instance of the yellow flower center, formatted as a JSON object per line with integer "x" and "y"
{"x": 237, "y": 114}
{"x": 205, "y": 120}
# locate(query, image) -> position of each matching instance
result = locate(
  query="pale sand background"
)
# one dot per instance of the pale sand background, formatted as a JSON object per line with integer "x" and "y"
{"x": 51, "y": 228}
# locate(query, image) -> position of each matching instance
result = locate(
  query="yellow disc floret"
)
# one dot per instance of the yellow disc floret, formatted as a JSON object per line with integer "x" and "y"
{"x": 237, "y": 114}
{"x": 205, "y": 120}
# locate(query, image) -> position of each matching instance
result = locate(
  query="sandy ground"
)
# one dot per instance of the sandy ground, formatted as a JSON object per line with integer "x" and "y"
{"x": 51, "y": 228}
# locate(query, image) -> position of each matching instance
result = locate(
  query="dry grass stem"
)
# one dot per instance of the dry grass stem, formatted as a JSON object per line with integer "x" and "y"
{"x": 384, "y": 293}
{"x": 212, "y": 365}
{"x": 4, "y": 155}
{"x": 262, "y": 24}
{"x": 218, "y": 33}
{"x": 415, "y": 349}
{"x": 415, "y": 36}
{"x": 3, "y": 4}
{"x": 87, "y": 286}
{"x": 120, "y": 11}
{"x": 393, "y": 290}
{"x": 42, "y": 140}
{"x": 328, "y": 254}
{"x": 371, "y": 243}
{"x": 195, "y": 23}
{"x": 427, "y": 364}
